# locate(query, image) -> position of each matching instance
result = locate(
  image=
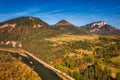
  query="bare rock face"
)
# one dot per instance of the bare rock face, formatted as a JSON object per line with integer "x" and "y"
{"x": 14, "y": 44}
{"x": 99, "y": 26}
{"x": 63, "y": 23}
{"x": 7, "y": 25}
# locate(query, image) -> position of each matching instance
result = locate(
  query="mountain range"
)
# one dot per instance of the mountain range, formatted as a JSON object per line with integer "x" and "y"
{"x": 65, "y": 46}
{"x": 24, "y": 25}
{"x": 19, "y": 30}
{"x": 101, "y": 27}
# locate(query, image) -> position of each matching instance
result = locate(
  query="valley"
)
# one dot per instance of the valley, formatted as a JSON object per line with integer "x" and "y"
{"x": 72, "y": 52}
{"x": 43, "y": 69}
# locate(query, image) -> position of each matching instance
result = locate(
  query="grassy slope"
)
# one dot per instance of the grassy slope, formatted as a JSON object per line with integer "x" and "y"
{"x": 13, "y": 69}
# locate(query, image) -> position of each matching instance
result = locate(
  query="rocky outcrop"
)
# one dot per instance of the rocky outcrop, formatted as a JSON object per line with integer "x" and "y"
{"x": 13, "y": 44}
{"x": 100, "y": 26}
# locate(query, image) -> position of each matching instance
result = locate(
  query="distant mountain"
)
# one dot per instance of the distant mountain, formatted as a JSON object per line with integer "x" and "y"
{"x": 63, "y": 23}
{"x": 68, "y": 28}
{"x": 101, "y": 27}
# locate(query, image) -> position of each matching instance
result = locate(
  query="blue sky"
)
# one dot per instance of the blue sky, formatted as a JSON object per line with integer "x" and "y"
{"x": 78, "y": 12}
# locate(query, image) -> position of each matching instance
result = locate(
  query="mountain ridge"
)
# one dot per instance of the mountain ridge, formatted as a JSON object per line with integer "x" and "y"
{"x": 27, "y": 24}
{"x": 66, "y": 27}
{"x": 63, "y": 23}
{"x": 101, "y": 27}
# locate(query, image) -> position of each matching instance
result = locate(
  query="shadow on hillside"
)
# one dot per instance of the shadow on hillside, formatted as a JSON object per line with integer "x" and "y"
{"x": 43, "y": 72}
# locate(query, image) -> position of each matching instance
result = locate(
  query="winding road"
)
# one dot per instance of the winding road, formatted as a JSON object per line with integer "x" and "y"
{"x": 41, "y": 62}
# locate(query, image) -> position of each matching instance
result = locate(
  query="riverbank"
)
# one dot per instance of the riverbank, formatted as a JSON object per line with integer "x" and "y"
{"x": 61, "y": 74}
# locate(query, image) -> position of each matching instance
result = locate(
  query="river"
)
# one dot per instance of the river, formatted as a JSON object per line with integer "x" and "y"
{"x": 44, "y": 70}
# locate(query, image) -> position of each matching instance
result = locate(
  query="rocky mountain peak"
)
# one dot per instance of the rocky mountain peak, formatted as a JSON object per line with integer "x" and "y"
{"x": 99, "y": 23}
{"x": 63, "y": 23}
{"x": 99, "y": 26}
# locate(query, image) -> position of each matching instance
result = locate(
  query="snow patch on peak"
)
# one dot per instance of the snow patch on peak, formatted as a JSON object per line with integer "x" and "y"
{"x": 99, "y": 23}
